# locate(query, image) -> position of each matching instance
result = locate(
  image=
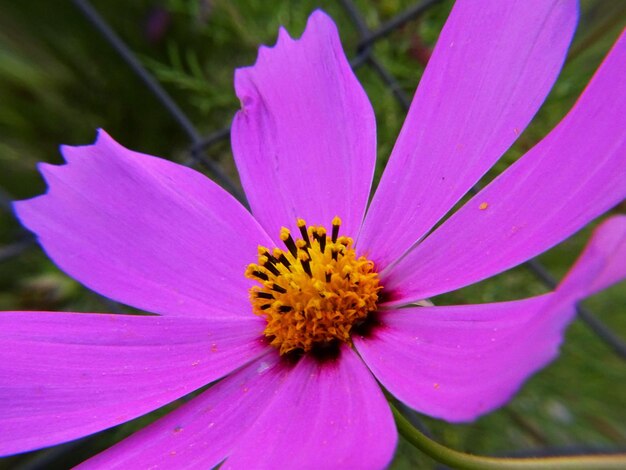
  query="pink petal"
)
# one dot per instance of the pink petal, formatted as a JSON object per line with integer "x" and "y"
{"x": 325, "y": 415}
{"x": 602, "y": 263}
{"x": 459, "y": 362}
{"x": 144, "y": 231}
{"x": 493, "y": 66}
{"x": 573, "y": 175}
{"x": 305, "y": 139}
{"x": 202, "y": 432}
{"x": 66, "y": 375}
{"x": 269, "y": 414}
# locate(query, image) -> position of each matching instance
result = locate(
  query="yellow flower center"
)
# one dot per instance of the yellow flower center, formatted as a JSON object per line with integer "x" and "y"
{"x": 314, "y": 292}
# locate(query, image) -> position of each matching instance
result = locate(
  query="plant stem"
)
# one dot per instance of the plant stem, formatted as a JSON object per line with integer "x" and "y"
{"x": 464, "y": 461}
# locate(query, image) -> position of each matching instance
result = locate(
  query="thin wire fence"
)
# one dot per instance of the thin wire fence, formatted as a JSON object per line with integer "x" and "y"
{"x": 199, "y": 145}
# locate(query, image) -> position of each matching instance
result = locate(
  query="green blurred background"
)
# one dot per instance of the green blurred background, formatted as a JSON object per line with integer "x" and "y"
{"x": 59, "y": 81}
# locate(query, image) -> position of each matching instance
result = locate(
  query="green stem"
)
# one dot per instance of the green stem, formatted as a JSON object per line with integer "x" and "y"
{"x": 464, "y": 461}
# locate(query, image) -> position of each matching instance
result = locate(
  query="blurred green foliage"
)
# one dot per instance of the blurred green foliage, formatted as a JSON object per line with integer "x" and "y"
{"x": 59, "y": 81}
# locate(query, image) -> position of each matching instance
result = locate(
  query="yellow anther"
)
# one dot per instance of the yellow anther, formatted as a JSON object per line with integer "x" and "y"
{"x": 284, "y": 233}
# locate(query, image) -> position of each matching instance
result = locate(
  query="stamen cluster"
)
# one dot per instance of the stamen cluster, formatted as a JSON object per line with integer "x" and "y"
{"x": 314, "y": 292}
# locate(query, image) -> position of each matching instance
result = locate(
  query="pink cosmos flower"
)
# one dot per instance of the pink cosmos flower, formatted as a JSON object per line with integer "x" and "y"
{"x": 300, "y": 341}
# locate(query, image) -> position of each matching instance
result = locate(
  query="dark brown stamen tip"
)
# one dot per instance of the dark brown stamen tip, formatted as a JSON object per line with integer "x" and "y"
{"x": 270, "y": 258}
{"x": 304, "y": 232}
{"x": 320, "y": 236}
{"x": 266, "y": 306}
{"x": 270, "y": 267}
{"x": 291, "y": 245}
{"x": 261, "y": 275}
{"x": 335, "y": 231}
{"x": 285, "y": 308}
{"x": 277, "y": 288}
{"x": 283, "y": 259}
{"x": 264, "y": 295}
{"x": 322, "y": 241}
{"x": 306, "y": 265}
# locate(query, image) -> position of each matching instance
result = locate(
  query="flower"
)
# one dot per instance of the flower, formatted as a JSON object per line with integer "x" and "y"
{"x": 300, "y": 340}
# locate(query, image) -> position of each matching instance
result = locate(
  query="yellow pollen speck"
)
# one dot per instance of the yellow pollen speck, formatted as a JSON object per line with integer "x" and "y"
{"x": 314, "y": 291}
{"x": 483, "y": 206}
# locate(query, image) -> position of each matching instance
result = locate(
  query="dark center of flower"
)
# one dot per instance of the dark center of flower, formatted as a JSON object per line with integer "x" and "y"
{"x": 314, "y": 292}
